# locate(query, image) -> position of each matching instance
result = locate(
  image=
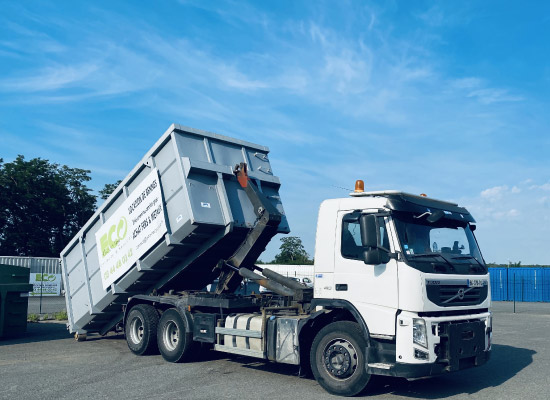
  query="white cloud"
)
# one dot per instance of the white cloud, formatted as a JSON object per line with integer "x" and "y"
{"x": 508, "y": 214}
{"x": 434, "y": 16}
{"x": 466, "y": 83}
{"x": 494, "y": 193}
{"x": 479, "y": 89}
{"x": 492, "y": 95}
{"x": 544, "y": 187}
{"x": 51, "y": 78}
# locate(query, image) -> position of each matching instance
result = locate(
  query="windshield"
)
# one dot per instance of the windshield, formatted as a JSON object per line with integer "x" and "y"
{"x": 445, "y": 246}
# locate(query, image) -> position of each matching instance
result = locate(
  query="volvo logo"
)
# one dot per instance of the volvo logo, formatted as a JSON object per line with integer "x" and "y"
{"x": 459, "y": 295}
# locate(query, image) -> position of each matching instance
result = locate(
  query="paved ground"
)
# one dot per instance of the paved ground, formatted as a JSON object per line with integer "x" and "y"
{"x": 48, "y": 363}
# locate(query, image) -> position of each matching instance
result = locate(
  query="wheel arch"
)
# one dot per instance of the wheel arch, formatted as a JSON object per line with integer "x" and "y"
{"x": 333, "y": 311}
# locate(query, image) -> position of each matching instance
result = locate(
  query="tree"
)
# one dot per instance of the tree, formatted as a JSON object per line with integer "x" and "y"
{"x": 42, "y": 206}
{"x": 292, "y": 252}
{"x": 108, "y": 189}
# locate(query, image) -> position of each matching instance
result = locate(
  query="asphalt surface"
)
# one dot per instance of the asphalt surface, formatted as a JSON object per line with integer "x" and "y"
{"x": 48, "y": 363}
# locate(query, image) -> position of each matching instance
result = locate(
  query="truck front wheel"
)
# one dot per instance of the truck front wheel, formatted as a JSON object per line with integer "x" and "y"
{"x": 175, "y": 340}
{"x": 338, "y": 359}
{"x": 141, "y": 329}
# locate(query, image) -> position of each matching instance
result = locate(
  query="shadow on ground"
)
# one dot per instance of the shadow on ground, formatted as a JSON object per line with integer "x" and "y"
{"x": 39, "y": 332}
{"x": 505, "y": 363}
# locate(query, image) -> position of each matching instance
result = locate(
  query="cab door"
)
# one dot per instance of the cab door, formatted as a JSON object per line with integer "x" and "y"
{"x": 372, "y": 289}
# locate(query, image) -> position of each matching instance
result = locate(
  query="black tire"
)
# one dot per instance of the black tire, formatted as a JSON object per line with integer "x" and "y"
{"x": 174, "y": 337}
{"x": 141, "y": 329}
{"x": 338, "y": 359}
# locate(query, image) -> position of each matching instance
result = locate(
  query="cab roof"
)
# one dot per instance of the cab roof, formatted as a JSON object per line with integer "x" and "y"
{"x": 402, "y": 201}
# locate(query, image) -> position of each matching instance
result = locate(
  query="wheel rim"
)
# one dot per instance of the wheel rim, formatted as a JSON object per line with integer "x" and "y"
{"x": 136, "y": 330}
{"x": 171, "y": 335}
{"x": 340, "y": 359}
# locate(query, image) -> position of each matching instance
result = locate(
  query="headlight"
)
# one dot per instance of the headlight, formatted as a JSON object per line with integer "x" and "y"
{"x": 419, "y": 332}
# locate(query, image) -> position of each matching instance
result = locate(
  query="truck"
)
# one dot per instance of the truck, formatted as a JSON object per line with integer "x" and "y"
{"x": 400, "y": 285}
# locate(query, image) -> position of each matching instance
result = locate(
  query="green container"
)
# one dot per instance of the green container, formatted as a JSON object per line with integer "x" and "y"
{"x": 14, "y": 289}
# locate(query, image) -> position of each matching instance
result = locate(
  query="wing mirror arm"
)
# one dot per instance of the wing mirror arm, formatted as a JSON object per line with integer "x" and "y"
{"x": 394, "y": 256}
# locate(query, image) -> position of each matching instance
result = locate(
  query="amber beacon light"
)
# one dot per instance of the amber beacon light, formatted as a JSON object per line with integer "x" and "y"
{"x": 359, "y": 186}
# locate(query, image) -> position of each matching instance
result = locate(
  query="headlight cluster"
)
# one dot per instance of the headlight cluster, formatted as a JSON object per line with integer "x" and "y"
{"x": 419, "y": 332}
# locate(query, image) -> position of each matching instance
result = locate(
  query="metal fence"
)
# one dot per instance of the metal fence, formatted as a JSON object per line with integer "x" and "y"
{"x": 292, "y": 271}
{"x": 39, "y": 304}
{"x": 38, "y": 265}
{"x": 520, "y": 284}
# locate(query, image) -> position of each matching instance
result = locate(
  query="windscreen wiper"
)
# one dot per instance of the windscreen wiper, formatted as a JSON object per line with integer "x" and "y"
{"x": 465, "y": 257}
{"x": 433, "y": 255}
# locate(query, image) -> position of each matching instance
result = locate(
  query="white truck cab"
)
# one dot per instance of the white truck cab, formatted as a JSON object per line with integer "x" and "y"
{"x": 421, "y": 287}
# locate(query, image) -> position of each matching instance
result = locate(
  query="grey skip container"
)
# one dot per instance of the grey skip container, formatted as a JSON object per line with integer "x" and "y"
{"x": 194, "y": 167}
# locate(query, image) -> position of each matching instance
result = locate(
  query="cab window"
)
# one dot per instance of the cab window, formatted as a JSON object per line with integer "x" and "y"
{"x": 351, "y": 236}
{"x": 351, "y": 240}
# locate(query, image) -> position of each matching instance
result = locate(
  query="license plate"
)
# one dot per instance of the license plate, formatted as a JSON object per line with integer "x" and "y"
{"x": 476, "y": 282}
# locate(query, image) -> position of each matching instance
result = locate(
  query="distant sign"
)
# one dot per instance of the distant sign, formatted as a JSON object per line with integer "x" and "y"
{"x": 135, "y": 226}
{"x": 45, "y": 284}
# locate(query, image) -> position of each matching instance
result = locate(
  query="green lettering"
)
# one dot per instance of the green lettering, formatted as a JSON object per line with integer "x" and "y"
{"x": 112, "y": 243}
{"x": 104, "y": 245}
{"x": 122, "y": 228}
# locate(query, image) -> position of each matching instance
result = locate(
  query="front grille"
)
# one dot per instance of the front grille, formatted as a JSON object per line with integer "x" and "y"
{"x": 456, "y": 295}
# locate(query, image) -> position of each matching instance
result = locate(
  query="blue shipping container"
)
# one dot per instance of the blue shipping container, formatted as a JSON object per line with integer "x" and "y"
{"x": 522, "y": 284}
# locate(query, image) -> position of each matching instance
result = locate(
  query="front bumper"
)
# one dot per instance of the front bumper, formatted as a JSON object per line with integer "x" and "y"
{"x": 411, "y": 371}
{"x": 452, "y": 343}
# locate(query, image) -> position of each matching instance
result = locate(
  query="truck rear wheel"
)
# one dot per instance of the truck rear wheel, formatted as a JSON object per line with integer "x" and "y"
{"x": 141, "y": 329}
{"x": 175, "y": 339}
{"x": 338, "y": 359}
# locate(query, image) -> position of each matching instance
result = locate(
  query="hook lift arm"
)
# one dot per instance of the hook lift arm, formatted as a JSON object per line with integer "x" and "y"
{"x": 267, "y": 222}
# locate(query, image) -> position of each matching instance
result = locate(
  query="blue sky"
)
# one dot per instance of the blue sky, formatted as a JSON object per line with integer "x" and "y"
{"x": 445, "y": 98}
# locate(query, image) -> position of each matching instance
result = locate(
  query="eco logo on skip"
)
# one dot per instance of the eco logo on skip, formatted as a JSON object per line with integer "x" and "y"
{"x": 45, "y": 278}
{"x": 116, "y": 233}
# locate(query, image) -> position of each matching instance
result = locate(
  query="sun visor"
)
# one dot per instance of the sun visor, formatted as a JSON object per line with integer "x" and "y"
{"x": 421, "y": 205}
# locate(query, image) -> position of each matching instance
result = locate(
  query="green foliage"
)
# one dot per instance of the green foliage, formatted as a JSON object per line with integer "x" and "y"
{"x": 292, "y": 252}
{"x": 32, "y": 318}
{"x": 42, "y": 206}
{"x": 61, "y": 316}
{"x": 108, "y": 189}
{"x": 517, "y": 264}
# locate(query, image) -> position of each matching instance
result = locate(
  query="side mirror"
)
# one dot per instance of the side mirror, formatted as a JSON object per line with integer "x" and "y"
{"x": 373, "y": 254}
{"x": 376, "y": 257}
{"x": 369, "y": 232}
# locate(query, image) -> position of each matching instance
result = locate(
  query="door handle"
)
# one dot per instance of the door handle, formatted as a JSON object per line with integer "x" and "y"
{"x": 341, "y": 287}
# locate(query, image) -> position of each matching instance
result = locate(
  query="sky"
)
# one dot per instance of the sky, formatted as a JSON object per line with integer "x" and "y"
{"x": 445, "y": 98}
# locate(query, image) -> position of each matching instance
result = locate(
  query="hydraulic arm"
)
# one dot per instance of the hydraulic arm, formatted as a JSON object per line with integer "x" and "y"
{"x": 268, "y": 219}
